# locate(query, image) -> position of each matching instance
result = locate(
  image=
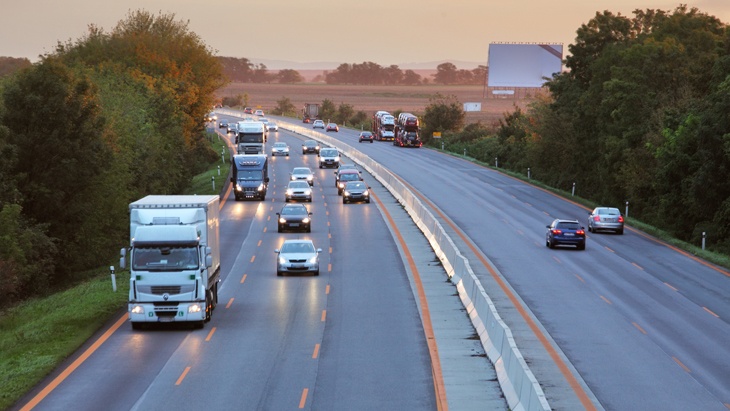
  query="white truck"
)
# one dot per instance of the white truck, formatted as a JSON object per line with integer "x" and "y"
{"x": 174, "y": 259}
{"x": 251, "y": 137}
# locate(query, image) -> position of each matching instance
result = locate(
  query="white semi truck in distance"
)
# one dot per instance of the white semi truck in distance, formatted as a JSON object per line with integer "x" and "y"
{"x": 174, "y": 259}
{"x": 251, "y": 137}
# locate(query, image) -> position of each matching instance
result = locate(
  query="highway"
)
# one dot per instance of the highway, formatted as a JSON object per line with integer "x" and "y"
{"x": 638, "y": 324}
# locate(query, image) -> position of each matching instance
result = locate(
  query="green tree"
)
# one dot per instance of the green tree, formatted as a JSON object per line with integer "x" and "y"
{"x": 411, "y": 78}
{"x": 327, "y": 110}
{"x": 284, "y": 106}
{"x": 344, "y": 112}
{"x": 444, "y": 113}
{"x": 289, "y": 76}
{"x": 446, "y": 73}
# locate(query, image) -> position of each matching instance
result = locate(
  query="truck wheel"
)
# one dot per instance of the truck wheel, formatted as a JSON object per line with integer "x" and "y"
{"x": 208, "y": 305}
{"x": 137, "y": 326}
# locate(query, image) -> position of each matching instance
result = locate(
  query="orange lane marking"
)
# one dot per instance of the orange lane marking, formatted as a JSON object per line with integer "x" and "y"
{"x": 638, "y": 266}
{"x": 71, "y": 368}
{"x": 182, "y": 376}
{"x": 268, "y": 218}
{"x": 442, "y": 403}
{"x": 327, "y": 212}
{"x": 564, "y": 370}
{"x": 329, "y": 267}
{"x": 253, "y": 258}
{"x": 670, "y": 286}
{"x": 330, "y": 250}
{"x": 606, "y": 300}
{"x": 610, "y": 250}
{"x": 229, "y": 303}
{"x": 520, "y": 232}
{"x": 681, "y": 365}
{"x": 639, "y": 327}
{"x": 556, "y": 259}
{"x": 210, "y": 334}
{"x": 315, "y": 354}
{"x": 265, "y": 229}
{"x": 528, "y": 204}
{"x": 580, "y": 278}
{"x": 259, "y": 243}
{"x": 327, "y": 289}
{"x": 324, "y": 315}
{"x": 710, "y": 311}
{"x": 727, "y": 405}
{"x": 328, "y": 223}
{"x": 546, "y": 213}
{"x": 329, "y": 235}
{"x": 303, "y": 401}
{"x": 244, "y": 278}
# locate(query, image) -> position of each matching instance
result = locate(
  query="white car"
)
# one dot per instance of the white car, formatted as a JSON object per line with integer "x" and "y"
{"x": 272, "y": 126}
{"x": 329, "y": 157}
{"x": 298, "y": 191}
{"x": 297, "y": 256}
{"x": 302, "y": 173}
{"x": 280, "y": 149}
{"x": 258, "y": 113}
{"x": 318, "y": 124}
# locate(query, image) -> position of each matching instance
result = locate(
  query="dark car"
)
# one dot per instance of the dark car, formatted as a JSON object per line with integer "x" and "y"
{"x": 565, "y": 232}
{"x": 248, "y": 110}
{"x": 310, "y": 146}
{"x": 606, "y": 218}
{"x": 223, "y": 124}
{"x": 344, "y": 176}
{"x": 332, "y": 127}
{"x": 365, "y": 136}
{"x": 294, "y": 217}
{"x": 355, "y": 191}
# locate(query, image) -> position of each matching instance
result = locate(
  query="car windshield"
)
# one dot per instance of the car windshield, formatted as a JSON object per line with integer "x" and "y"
{"x": 297, "y": 248}
{"x": 301, "y": 171}
{"x": 328, "y": 152}
{"x": 357, "y": 185}
{"x": 310, "y": 143}
{"x": 280, "y": 145}
{"x": 609, "y": 211}
{"x": 293, "y": 211}
{"x": 567, "y": 225}
{"x": 298, "y": 184}
{"x": 349, "y": 176}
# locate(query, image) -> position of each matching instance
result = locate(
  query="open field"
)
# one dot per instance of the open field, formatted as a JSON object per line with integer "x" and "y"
{"x": 374, "y": 98}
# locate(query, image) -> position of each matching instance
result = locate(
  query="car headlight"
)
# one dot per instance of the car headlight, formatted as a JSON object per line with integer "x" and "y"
{"x": 309, "y": 178}
{"x": 337, "y": 158}
{"x": 289, "y": 192}
{"x": 282, "y": 220}
{"x": 293, "y": 178}
{"x": 282, "y": 260}
{"x": 341, "y": 184}
{"x": 306, "y": 220}
{"x": 307, "y": 192}
{"x": 366, "y": 193}
{"x": 346, "y": 193}
{"x": 313, "y": 260}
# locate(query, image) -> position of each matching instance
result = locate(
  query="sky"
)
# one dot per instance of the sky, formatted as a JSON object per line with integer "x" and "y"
{"x": 385, "y": 32}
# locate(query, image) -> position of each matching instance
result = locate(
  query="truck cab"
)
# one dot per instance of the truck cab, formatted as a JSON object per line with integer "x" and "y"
{"x": 250, "y": 176}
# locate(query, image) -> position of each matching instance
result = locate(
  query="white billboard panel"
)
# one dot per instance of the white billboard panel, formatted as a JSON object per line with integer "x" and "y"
{"x": 523, "y": 65}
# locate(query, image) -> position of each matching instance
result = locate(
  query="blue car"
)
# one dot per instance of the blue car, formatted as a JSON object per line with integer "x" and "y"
{"x": 565, "y": 232}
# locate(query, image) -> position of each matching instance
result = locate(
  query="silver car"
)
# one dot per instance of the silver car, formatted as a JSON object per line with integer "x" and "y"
{"x": 280, "y": 149}
{"x": 302, "y": 173}
{"x": 606, "y": 218}
{"x": 298, "y": 191}
{"x": 297, "y": 256}
{"x": 272, "y": 126}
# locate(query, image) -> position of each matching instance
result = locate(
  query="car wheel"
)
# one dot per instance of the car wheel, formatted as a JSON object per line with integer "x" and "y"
{"x": 344, "y": 200}
{"x": 310, "y": 200}
{"x": 278, "y": 230}
{"x": 278, "y": 273}
{"x": 371, "y": 141}
{"x": 367, "y": 201}
{"x": 316, "y": 272}
{"x": 551, "y": 244}
{"x": 582, "y": 246}
{"x": 286, "y": 200}
{"x": 621, "y": 232}
{"x": 590, "y": 229}
{"x": 309, "y": 229}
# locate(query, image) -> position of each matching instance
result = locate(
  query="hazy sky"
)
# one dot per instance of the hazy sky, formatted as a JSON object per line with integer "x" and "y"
{"x": 343, "y": 31}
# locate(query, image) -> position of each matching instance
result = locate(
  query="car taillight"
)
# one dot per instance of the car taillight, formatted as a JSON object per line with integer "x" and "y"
{"x": 620, "y": 219}
{"x": 557, "y": 232}
{"x": 596, "y": 218}
{"x": 580, "y": 232}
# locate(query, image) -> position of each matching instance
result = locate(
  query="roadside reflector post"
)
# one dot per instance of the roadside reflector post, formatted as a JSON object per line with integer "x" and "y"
{"x": 464, "y": 152}
{"x": 219, "y": 170}
{"x": 528, "y": 173}
{"x": 212, "y": 180}
{"x": 496, "y": 163}
{"x": 114, "y": 278}
{"x": 626, "y": 214}
{"x": 704, "y": 237}
{"x": 573, "y": 192}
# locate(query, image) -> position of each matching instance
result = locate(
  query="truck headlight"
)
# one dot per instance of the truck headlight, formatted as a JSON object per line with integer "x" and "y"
{"x": 194, "y": 308}
{"x": 261, "y": 187}
{"x": 137, "y": 309}
{"x": 238, "y": 188}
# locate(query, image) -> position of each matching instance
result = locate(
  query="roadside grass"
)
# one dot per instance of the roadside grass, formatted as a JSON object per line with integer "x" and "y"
{"x": 40, "y": 334}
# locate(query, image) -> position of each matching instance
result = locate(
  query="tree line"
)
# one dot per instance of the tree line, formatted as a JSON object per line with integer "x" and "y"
{"x": 641, "y": 115}
{"x": 365, "y": 73}
{"x": 99, "y": 122}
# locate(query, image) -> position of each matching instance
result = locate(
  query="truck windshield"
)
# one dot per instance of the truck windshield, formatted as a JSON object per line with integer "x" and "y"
{"x": 249, "y": 175}
{"x": 165, "y": 258}
{"x": 250, "y": 137}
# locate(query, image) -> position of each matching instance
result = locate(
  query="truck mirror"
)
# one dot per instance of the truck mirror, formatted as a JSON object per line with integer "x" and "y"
{"x": 122, "y": 264}
{"x": 266, "y": 179}
{"x": 208, "y": 261}
{"x": 208, "y": 251}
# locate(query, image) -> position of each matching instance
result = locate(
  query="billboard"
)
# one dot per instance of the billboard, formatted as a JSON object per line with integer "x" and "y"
{"x": 523, "y": 65}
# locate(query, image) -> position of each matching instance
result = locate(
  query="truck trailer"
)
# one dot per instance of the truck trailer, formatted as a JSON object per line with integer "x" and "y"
{"x": 174, "y": 259}
{"x": 407, "y": 131}
{"x": 250, "y": 176}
